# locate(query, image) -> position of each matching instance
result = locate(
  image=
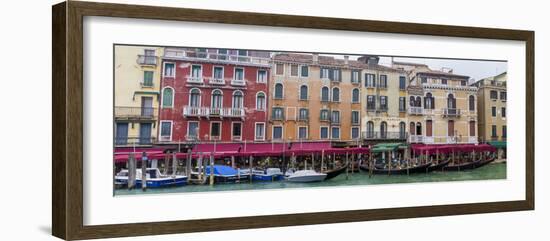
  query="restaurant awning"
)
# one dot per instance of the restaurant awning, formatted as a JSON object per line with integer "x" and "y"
{"x": 385, "y": 147}
{"x": 498, "y": 144}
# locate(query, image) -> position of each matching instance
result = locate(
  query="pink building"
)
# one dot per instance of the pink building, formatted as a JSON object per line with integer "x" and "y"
{"x": 213, "y": 94}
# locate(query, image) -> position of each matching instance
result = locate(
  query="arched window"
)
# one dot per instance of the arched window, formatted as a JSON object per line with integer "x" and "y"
{"x": 451, "y": 102}
{"x": 335, "y": 94}
{"x": 324, "y": 94}
{"x": 167, "y": 97}
{"x": 412, "y": 102}
{"x": 418, "y": 101}
{"x": 260, "y": 101}
{"x": 237, "y": 102}
{"x": 402, "y": 131}
{"x": 383, "y": 129}
{"x": 472, "y": 103}
{"x": 355, "y": 95}
{"x": 303, "y": 92}
{"x": 419, "y": 128}
{"x": 428, "y": 101}
{"x": 217, "y": 100}
{"x": 370, "y": 129}
{"x": 195, "y": 98}
{"x": 412, "y": 129}
{"x": 278, "y": 91}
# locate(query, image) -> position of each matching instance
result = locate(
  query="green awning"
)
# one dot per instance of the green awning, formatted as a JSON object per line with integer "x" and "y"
{"x": 497, "y": 144}
{"x": 385, "y": 147}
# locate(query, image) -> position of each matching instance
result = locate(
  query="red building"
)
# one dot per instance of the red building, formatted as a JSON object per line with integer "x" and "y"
{"x": 213, "y": 94}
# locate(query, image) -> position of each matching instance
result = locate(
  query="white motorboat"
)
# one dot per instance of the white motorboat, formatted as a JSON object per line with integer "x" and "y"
{"x": 306, "y": 176}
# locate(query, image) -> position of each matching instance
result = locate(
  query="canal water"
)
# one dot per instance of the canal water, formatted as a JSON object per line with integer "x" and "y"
{"x": 488, "y": 172}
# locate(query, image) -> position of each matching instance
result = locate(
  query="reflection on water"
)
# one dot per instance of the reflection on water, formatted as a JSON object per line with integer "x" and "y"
{"x": 488, "y": 172}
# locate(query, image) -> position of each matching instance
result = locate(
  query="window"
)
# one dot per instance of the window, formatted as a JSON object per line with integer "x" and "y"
{"x": 335, "y": 94}
{"x": 201, "y": 52}
{"x": 149, "y": 52}
{"x": 355, "y": 75}
{"x": 303, "y": 92}
{"x": 325, "y": 94}
{"x": 503, "y": 95}
{"x": 371, "y": 102}
{"x": 260, "y": 101}
{"x": 383, "y": 130}
{"x": 262, "y": 76}
{"x": 215, "y": 130}
{"x": 472, "y": 103}
{"x": 196, "y": 71}
{"x": 493, "y": 131}
{"x": 418, "y": 102}
{"x": 335, "y": 132}
{"x": 260, "y": 131}
{"x": 148, "y": 78}
{"x": 355, "y": 96}
{"x": 493, "y": 94}
{"x": 335, "y": 117}
{"x": 370, "y": 130}
{"x": 472, "y": 128}
{"x": 303, "y": 114}
{"x": 402, "y": 131}
{"x": 429, "y": 124}
{"x": 369, "y": 81}
{"x": 195, "y": 98}
{"x": 402, "y": 82}
{"x": 218, "y": 73}
{"x": 217, "y": 101}
{"x": 503, "y": 112}
{"x": 504, "y": 131}
{"x": 324, "y": 132}
{"x": 166, "y": 130}
{"x": 324, "y": 73}
{"x": 335, "y": 75}
{"x": 277, "y": 133}
{"x": 278, "y": 91}
{"x": 222, "y": 54}
{"x": 167, "y": 97}
{"x": 402, "y": 104}
{"x": 355, "y": 133}
{"x": 428, "y": 101}
{"x": 412, "y": 102}
{"x": 383, "y": 81}
{"x": 412, "y": 128}
{"x": 451, "y": 102}
{"x": 302, "y": 132}
{"x": 450, "y": 128}
{"x": 419, "y": 128}
{"x": 192, "y": 129}
{"x": 237, "y": 102}
{"x": 236, "y": 130}
{"x": 324, "y": 115}
{"x": 294, "y": 70}
{"x": 279, "y": 69}
{"x": 355, "y": 117}
{"x": 493, "y": 111}
{"x": 239, "y": 74}
{"x": 383, "y": 103}
{"x": 463, "y": 82}
{"x": 169, "y": 70}
{"x": 305, "y": 71}
{"x": 443, "y": 81}
{"x": 424, "y": 80}
{"x": 278, "y": 113}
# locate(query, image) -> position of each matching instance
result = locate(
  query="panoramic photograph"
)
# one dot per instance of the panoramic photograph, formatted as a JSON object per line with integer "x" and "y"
{"x": 193, "y": 119}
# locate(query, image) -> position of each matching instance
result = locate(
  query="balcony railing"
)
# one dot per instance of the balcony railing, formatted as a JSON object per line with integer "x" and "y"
{"x": 125, "y": 112}
{"x": 239, "y": 82}
{"x": 134, "y": 140}
{"x": 216, "y": 81}
{"x": 451, "y": 112}
{"x": 147, "y": 60}
{"x": 375, "y": 135}
{"x": 189, "y": 54}
{"x": 416, "y": 139}
{"x": 415, "y": 110}
{"x": 212, "y": 112}
{"x": 194, "y": 79}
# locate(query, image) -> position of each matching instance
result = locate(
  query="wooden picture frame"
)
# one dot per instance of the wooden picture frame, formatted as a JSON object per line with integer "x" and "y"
{"x": 67, "y": 123}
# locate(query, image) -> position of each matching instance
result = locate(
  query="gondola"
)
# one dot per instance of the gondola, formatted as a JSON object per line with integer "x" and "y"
{"x": 439, "y": 166}
{"x": 417, "y": 169}
{"x": 335, "y": 172}
{"x": 469, "y": 165}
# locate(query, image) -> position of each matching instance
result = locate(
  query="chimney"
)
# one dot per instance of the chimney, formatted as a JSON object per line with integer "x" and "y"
{"x": 346, "y": 60}
{"x": 369, "y": 59}
{"x": 315, "y": 58}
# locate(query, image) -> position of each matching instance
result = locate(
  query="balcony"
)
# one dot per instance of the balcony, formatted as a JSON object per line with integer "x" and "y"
{"x": 415, "y": 110}
{"x": 195, "y": 111}
{"x": 194, "y": 80}
{"x": 375, "y": 135}
{"x": 134, "y": 141}
{"x": 135, "y": 113}
{"x": 185, "y": 54}
{"x": 238, "y": 82}
{"x": 451, "y": 112}
{"x": 416, "y": 139}
{"x": 216, "y": 81}
{"x": 147, "y": 60}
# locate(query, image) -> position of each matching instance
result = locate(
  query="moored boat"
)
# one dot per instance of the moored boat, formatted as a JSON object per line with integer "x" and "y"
{"x": 270, "y": 174}
{"x": 154, "y": 179}
{"x": 396, "y": 171}
{"x": 226, "y": 174}
{"x": 306, "y": 176}
{"x": 335, "y": 172}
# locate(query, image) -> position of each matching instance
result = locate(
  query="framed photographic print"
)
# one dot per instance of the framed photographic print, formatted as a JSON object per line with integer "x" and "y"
{"x": 171, "y": 120}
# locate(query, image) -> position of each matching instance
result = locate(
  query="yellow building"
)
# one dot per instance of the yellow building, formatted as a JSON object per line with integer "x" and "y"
{"x": 137, "y": 82}
{"x": 384, "y": 93}
{"x": 442, "y": 106}
{"x": 314, "y": 97}
{"x": 491, "y": 104}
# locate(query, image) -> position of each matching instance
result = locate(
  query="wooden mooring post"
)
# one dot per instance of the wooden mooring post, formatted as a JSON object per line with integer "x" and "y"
{"x": 250, "y": 159}
{"x": 211, "y": 169}
{"x": 144, "y": 171}
{"x": 188, "y": 166}
{"x": 131, "y": 171}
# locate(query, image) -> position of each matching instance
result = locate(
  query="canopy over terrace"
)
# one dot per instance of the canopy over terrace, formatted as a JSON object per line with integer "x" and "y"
{"x": 498, "y": 144}
{"x": 385, "y": 147}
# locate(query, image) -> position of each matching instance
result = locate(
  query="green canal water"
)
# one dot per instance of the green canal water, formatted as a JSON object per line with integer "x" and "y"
{"x": 488, "y": 172}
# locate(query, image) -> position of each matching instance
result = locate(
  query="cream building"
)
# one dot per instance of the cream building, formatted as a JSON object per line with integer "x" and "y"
{"x": 137, "y": 82}
{"x": 441, "y": 106}
{"x": 491, "y": 104}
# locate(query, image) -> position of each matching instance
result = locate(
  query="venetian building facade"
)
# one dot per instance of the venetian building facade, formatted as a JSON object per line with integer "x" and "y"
{"x": 137, "y": 85}
{"x": 213, "y": 95}
{"x": 491, "y": 96}
{"x": 315, "y": 97}
{"x": 442, "y": 106}
{"x": 384, "y": 93}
